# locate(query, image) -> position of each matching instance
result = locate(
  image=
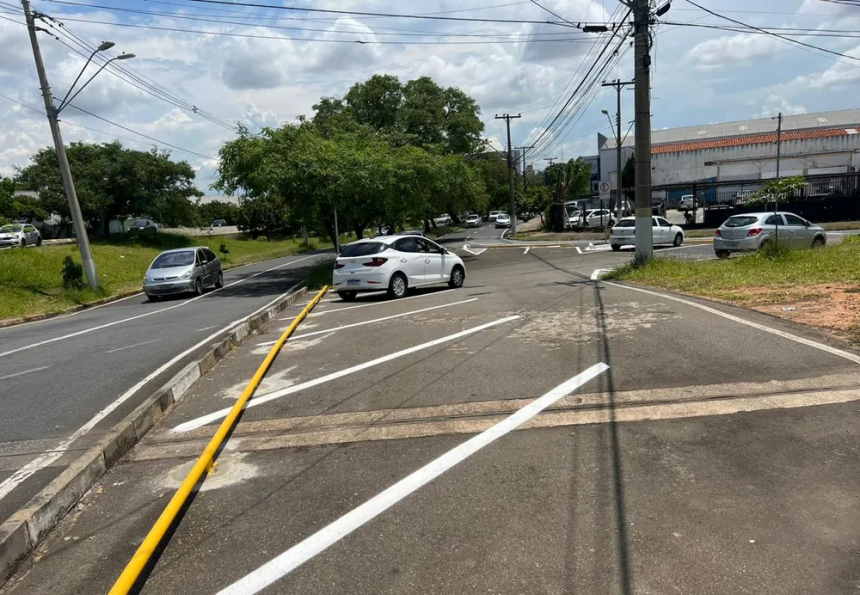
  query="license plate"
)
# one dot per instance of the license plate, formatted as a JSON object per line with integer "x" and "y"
{"x": 163, "y": 286}
{"x": 354, "y": 282}
{"x": 730, "y": 244}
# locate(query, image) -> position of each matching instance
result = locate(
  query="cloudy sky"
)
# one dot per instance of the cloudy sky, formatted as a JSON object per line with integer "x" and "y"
{"x": 266, "y": 66}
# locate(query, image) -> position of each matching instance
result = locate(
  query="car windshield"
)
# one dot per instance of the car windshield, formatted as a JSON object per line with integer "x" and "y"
{"x": 173, "y": 259}
{"x": 740, "y": 221}
{"x": 139, "y": 224}
{"x": 626, "y": 223}
{"x": 10, "y": 228}
{"x": 472, "y": 217}
{"x": 363, "y": 249}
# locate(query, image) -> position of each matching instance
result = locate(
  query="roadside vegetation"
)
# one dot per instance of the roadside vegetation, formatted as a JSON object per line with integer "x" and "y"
{"x": 31, "y": 280}
{"x": 320, "y": 274}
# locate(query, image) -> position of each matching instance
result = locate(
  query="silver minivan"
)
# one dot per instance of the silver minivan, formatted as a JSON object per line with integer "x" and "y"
{"x": 752, "y": 231}
{"x": 182, "y": 270}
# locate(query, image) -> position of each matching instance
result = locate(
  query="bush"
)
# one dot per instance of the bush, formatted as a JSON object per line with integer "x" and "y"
{"x": 73, "y": 274}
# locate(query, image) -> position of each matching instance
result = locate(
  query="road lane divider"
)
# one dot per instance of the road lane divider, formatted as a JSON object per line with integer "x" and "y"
{"x": 26, "y": 528}
{"x": 382, "y": 303}
{"x": 374, "y": 321}
{"x": 207, "y": 419}
{"x": 297, "y": 555}
{"x": 205, "y": 463}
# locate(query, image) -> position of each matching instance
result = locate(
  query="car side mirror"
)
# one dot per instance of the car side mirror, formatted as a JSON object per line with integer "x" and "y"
{"x": 806, "y": 224}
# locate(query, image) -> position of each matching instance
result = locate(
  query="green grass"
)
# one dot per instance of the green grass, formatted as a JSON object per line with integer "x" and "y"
{"x": 773, "y": 270}
{"x": 30, "y": 280}
{"x": 320, "y": 274}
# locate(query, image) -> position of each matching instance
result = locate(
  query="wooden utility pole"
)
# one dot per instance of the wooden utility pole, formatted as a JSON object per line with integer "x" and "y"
{"x": 507, "y": 118}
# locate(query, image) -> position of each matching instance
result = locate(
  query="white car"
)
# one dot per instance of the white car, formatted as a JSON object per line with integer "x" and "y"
{"x": 594, "y": 218}
{"x": 18, "y": 234}
{"x": 395, "y": 264}
{"x": 662, "y": 233}
{"x": 493, "y": 215}
{"x": 688, "y": 201}
{"x": 474, "y": 220}
{"x": 443, "y": 219}
{"x": 503, "y": 220}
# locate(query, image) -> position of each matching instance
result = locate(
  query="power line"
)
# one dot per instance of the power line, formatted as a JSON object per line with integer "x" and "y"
{"x": 777, "y": 35}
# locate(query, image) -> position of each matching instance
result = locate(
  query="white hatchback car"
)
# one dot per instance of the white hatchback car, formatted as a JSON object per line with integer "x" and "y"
{"x": 662, "y": 232}
{"x": 395, "y": 264}
{"x": 20, "y": 234}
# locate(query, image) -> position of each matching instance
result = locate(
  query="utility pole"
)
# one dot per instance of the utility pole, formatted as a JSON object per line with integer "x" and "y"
{"x": 619, "y": 85}
{"x": 507, "y": 118}
{"x": 524, "y": 149}
{"x": 336, "y": 234}
{"x": 778, "y": 155}
{"x": 65, "y": 172}
{"x": 642, "y": 70}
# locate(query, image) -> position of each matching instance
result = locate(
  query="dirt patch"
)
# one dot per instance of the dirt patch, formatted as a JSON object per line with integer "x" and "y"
{"x": 833, "y": 307}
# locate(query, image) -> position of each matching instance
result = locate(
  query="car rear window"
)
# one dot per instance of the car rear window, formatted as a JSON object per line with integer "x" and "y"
{"x": 626, "y": 223}
{"x": 363, "y": 249}
{"x": 173, "y": 259}
{"x": 740, "y": 221}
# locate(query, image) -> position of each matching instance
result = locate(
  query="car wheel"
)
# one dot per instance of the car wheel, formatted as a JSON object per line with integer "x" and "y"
{"x": 679, "y": 238}
{"x": 722, "y": 254}
{"x": 198, "y": 286}
{"x": 615, "y": 247}
{"x": 23, "y": 242}
{"x": 818, "y": 242}
{"x": 458, "y": 276}
{"x": 397, "y": 286}
{"x": 219, "y": 282}
{"x": 347, "y": 296}
{"x": 39, "y": 241}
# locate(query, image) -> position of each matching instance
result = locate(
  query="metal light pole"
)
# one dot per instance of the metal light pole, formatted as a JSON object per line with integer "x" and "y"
{"x": 65, "y": 172}
{"x": 619, "y": 85}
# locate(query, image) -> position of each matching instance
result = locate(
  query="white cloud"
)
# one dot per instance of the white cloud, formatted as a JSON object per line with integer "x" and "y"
{"x": 774, "y": 104}
{"x": 843, "y": 73}
{"x": 733, "y": 51}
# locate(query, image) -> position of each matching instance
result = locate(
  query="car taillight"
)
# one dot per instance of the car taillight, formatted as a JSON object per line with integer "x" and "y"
{"x": 376, "y": 262}
{"x": 718, "y": 233}
{"x": 754, "y": 232}
{"x": 338, "y": 265}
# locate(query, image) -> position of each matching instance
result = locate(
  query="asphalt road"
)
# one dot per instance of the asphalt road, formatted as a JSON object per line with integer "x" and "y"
{"x": 695, "y": 456}
{"x": 57, "y": 374}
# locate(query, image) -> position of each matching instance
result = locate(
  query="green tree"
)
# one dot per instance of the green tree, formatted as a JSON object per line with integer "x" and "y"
{"x": 777, "y": 190}
{"x": 113, "y": 182}
{"x": 14, "y": 206}
{"x": 218, "y": 209}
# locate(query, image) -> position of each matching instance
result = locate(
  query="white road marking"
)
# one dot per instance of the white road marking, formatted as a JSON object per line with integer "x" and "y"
{"x": 26, "y": 372}
{"x": 598, "y": 248}
{"x": 297, "y": 555}
{"x": 598, "y": 273}
{"x": 474, "y": 253}
{"x": 827, "y": 348}
{"x": 375, "y": 320}
{"x": 145, "y": 314}
{"x": 47, "y": 458}
{"x": 131, "y": 346}
{"x": 526, "y": 251}
{"x": 386, "y": 302}
{"x": 207, "y": 419}
{"x": 578, "y": 249}
{"x": 205, "y": 328}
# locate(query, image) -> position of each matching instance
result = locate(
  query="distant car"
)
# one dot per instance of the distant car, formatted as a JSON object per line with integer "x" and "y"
{"x": 16, "y": 234}
{"x": 493, "y": 215}
{"x": 474, "y": 220}
{"x": 219, "y": 223}
{"x": 662, "y": 233}
{"x": 395, "y": 264}
{"x": 688, "y": 201}
{"x": 143, "y": 226}
{"x": 658, "y": 209}
{"x": 443, "y": 219}
{"x": 182, "y": 270}
{"x": 503, "y": 220}
{"x": 385, "y": 230}
{"x": 526, "y": 216}
{"x": 413, "y": 232}
{"x": 598, "y": 218}
{"x": 753, "y": 231}
{"x": 21, "y": 220}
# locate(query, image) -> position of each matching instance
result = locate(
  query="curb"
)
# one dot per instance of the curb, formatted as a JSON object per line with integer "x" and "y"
{"x": 23, "y": 531}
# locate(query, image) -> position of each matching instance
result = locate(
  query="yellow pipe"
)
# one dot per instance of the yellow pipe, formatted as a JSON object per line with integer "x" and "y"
{"x": 132, "y": 571}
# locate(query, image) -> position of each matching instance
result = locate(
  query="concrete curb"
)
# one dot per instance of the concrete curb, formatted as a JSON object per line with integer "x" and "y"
{"x": 20, "y": 535}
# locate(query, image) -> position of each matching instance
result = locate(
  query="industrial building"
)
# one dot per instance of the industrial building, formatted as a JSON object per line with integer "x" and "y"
{"x": 822, "y": 143}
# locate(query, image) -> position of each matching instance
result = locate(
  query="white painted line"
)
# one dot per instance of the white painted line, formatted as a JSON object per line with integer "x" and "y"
{"x": 550, "y": 246}
{"x": 386, "y": 302}
{"x": 45, "y": 459}
{"x": 206, "y": 419}
{"x": 26, "y": 372}
{"x": 132, "y": 346}
{"x": 598, "y": 273}
{"x": 205, "y": 328}
{"x": 827, "y": 348}
{"x": 578, "y": 249}
{"x": 145, "y": 314}
{"x": 526, "y": 251}
{"x": 375, "y": 320}
{"x": 473, "y": 252}
{"x": 297, "y": 555}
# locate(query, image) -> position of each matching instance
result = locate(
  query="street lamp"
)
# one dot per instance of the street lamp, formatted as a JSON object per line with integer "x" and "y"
{"x": 105, "y": 45}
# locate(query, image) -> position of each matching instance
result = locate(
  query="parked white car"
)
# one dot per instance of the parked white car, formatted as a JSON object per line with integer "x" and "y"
{"x": 443, "y": 219}
{"x": 17, "y": 234}
{"x": 662, "y": 233}
{"x": 503, "y": 220}
{"x": 688, "y": 201}
{"x": 594, "y": 218}
{"x": 474, "y": 220}
{"x": 395, "y": 264}
{"x": 493, "y": 215}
